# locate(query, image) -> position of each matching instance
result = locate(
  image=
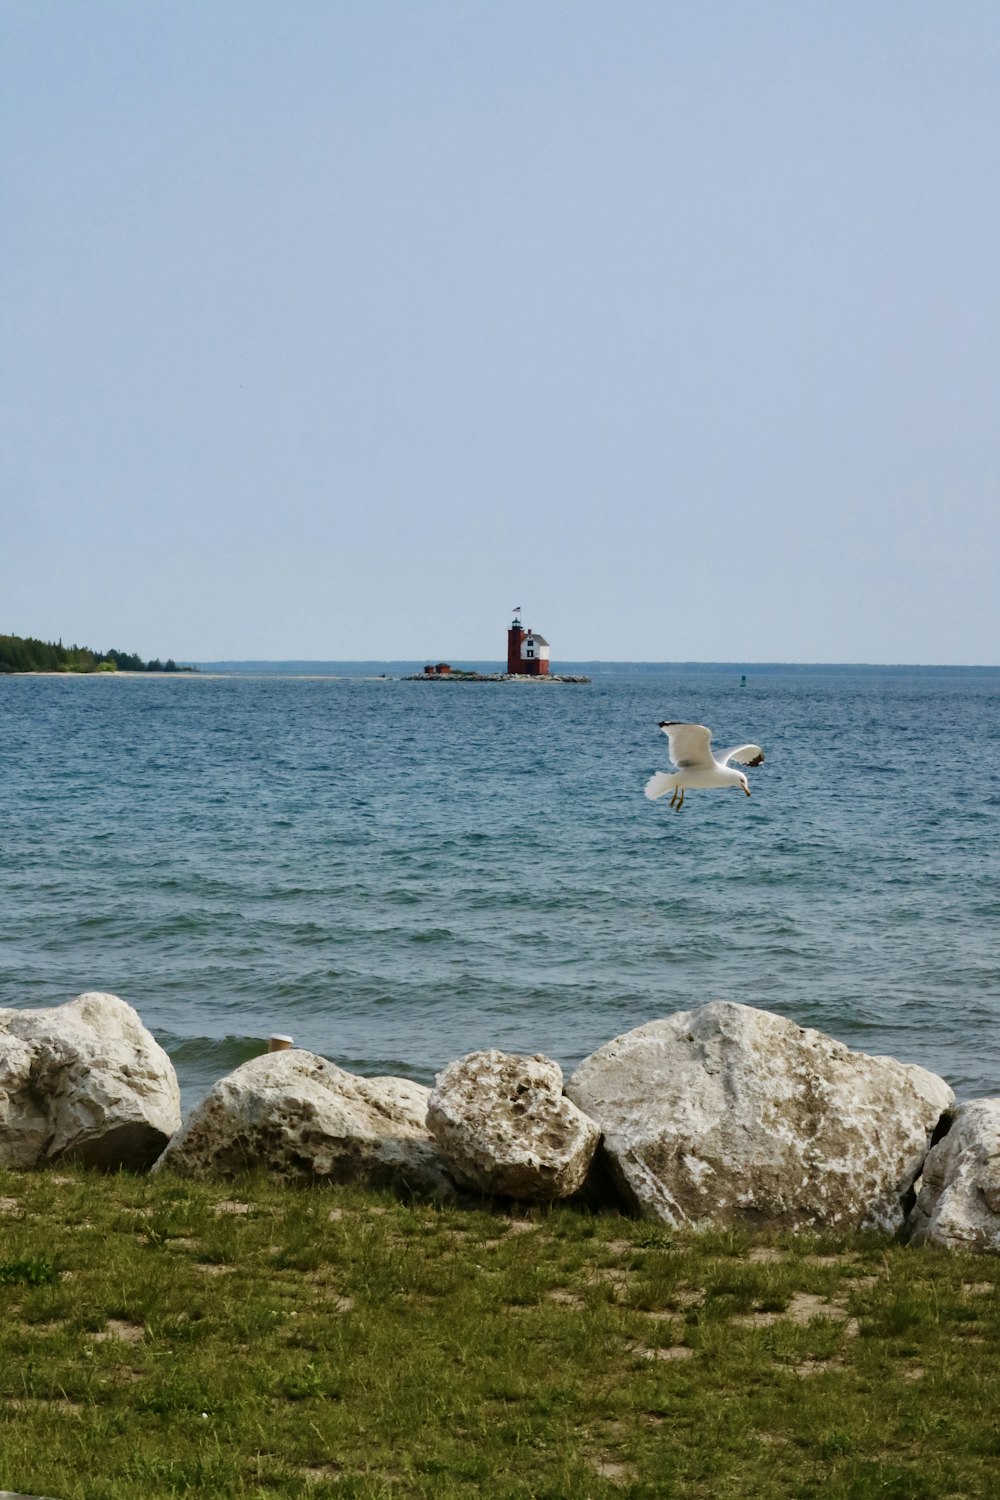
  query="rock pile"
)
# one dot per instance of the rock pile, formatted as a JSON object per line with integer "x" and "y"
{"x": 719, "y": 1117}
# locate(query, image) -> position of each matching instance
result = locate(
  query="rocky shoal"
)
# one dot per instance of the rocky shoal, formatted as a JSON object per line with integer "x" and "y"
{"x": 721, "y": 1117}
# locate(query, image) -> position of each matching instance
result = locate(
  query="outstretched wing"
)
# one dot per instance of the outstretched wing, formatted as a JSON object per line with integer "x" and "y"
{"x": 743, "y": 755}
{"x": 690, "y": 746}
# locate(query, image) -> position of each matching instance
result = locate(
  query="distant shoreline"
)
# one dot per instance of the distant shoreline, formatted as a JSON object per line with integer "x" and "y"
{"x": 400, "y": 670}
{"x": 194, "y": 675}
{"x": 398, "y": 667}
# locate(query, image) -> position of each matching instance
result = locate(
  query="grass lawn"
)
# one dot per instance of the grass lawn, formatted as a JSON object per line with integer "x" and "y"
{"x": 161, "y": 1338}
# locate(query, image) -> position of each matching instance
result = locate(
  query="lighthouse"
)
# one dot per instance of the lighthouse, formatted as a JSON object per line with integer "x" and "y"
{"x": 527, "y": 651}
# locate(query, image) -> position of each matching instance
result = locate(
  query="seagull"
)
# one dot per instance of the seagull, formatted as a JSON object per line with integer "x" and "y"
{"x": 691, "y": 753}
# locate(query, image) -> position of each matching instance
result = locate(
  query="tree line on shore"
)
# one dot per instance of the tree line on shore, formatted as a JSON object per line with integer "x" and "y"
{"x": 26, "y": 654}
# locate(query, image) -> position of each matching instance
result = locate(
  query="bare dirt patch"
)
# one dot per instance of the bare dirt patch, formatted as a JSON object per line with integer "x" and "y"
{"x": 610, "y": 1468}
{"x": 232, "y": 1206}
{"x": 117, "y": 1328}
{"x": 608, "y": 1276}
{"x": 802, "y": 1308}
{"x": 688, "y": 1296}
{"x": 672, "y": 1352}
{"x": 819, "y": 1366}
{"x": 806, "y": 1305}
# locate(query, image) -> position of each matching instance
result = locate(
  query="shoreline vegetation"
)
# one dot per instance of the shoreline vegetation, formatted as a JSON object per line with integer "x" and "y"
{"x": 167, "y": 1337}
{"x": 28, "y": 654}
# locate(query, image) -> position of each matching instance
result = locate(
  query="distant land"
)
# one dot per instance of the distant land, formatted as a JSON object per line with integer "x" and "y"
{"x": 26, "y": 654}
{"x": 751, "y": 669}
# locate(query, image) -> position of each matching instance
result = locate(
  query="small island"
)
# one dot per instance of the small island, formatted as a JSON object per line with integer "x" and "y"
{"x": 27, "y": 654}
{"x": 527, "y": 661}
{"x": 445, "y": 672}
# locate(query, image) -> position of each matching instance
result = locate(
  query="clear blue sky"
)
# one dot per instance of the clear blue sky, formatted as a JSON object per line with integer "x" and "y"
{"x": 335, "y": 328}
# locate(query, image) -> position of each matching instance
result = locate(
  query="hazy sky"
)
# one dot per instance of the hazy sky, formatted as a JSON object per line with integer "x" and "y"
{"x": 335, "y": 328}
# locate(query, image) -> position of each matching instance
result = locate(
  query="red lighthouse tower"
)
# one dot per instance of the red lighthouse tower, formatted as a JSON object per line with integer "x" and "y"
{"x": 515, "y": 636}
{"x": 527, "y": 651}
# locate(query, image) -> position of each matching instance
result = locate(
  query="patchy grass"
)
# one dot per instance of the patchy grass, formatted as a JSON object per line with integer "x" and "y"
{"x": 163, "y": 1338}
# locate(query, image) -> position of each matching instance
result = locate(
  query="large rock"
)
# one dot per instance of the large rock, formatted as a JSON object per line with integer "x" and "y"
{"x": 730, "y": 1116}
{"x": 84, "y": 1082}
{"x": 301, "y": 1117}
{"x": 959, "y": 1200}
{"x": 506, "y": 1128}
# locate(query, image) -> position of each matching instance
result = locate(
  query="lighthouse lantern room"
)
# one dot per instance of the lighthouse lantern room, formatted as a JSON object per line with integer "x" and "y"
{"x": 527, "y": 651}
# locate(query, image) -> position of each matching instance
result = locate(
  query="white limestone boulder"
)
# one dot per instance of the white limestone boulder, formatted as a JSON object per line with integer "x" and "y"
{"x": 84, "y": 1082}
{"x": 728, "y": 1116}
{"x": 958, "y": 1205}
{"x": 505, "y": 1127}
{"x": 300, "y": 1117}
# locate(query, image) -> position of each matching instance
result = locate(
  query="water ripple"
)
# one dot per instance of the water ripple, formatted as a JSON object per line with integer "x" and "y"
{"x": 267, "y": 854}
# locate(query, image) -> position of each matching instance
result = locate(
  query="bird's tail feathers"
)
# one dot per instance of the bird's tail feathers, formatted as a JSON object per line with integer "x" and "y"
{"x": 659, "y": 784}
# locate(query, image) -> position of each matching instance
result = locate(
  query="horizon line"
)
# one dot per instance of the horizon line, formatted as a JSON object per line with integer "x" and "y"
{"x": 497, "y": 663}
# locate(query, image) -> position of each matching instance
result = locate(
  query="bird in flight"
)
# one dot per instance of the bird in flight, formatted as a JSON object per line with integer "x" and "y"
{"x": 691, "y": 753}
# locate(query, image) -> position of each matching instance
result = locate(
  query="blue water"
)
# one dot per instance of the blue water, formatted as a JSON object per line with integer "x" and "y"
{"x": 397, "y": 873}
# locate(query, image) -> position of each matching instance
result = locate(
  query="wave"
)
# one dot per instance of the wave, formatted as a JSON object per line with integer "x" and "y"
{"x": 500, "y": 878}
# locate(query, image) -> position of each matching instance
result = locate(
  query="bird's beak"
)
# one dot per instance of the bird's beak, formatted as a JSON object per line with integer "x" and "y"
{"x": 747, "y": 790}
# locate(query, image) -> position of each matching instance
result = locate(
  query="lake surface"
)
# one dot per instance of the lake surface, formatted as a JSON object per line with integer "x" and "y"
{"x": 397, "y": 873}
